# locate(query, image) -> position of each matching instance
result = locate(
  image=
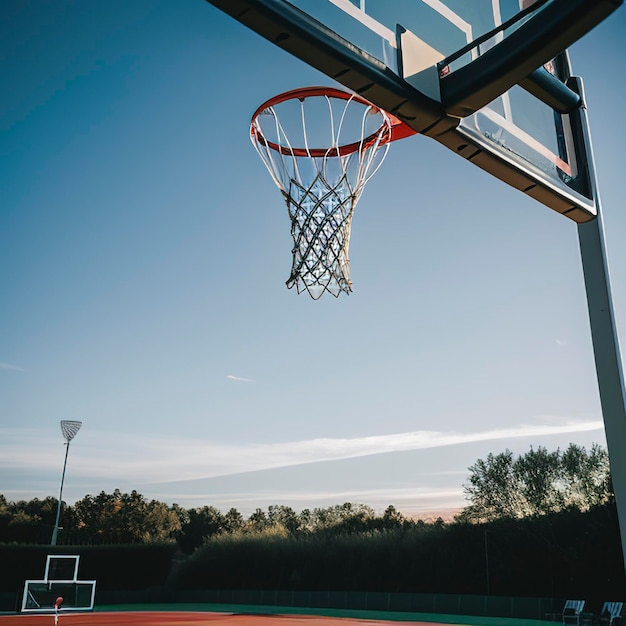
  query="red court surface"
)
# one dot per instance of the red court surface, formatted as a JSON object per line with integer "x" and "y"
{"x": 151, "y": 618}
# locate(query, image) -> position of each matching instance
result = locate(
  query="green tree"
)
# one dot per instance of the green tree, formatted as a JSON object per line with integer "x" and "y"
{"x": 347, "y": 517}
{"x": 123, "y": 518}
{"x": 5, "y": 518}
{"x": 233, "y": 521}
{"x": 27, "y": 521}
{"x": 283, "y": 516}
{"x": 24, "y": 528}
{"x": 95, "y": 517}
{"x": 392, "y": 518}
{"x": 493, "y": 489}
{"x": 201, "y": 523}
{"x": 538, "y": 477}
{"x": 536, "y": 483}
{"x": 587, "y": 476}
{"x": 45, "y": 509}
{"x": 161, "y": 523}
{"x": 305, "y": 520}
{"x": 258, "y": 522}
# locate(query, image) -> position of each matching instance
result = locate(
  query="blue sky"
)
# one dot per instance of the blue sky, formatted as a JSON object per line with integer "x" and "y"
{"x": 143, "y": 256}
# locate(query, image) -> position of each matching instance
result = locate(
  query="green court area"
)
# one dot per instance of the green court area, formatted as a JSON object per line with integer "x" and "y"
{"x": 278, "y": 611}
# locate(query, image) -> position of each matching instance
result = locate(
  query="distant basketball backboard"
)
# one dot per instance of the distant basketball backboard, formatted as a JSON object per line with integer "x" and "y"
{"x": 40, "y": 595}
{"x": 451, "y": 69}
{"x": 60, "y": 583}
{"x": 61, "y": 567}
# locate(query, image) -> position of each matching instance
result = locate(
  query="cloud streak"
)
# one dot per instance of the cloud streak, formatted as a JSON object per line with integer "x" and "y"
{"x": 8, "y": 366}
{"x": 410, "y": 499}
{"x": 161, "y": 459}
{"x": 239, "y": 379}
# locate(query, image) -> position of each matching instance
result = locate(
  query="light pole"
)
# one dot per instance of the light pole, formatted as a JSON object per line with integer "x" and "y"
{"x": 69, "y": 428}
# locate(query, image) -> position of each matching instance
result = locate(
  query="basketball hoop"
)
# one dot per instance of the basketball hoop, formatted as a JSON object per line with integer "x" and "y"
{"x": 321, "y": 186}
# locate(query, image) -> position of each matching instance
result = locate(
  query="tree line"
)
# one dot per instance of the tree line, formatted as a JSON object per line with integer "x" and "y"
{"x": 538, "y": 482}
{"x": 130, "y": 518}
{"x": 501, "y": 486}
{"x": 571, "y": 553}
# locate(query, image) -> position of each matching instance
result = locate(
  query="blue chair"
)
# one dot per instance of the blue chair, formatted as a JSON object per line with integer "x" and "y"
{"x": 572, "y": 611}
{"x": 611, "y": 612}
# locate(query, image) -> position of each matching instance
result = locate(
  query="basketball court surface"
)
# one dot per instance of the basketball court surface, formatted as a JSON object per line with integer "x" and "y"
{"x": 163, "y": 617}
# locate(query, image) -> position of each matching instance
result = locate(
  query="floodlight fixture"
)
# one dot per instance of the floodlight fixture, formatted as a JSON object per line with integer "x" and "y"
{"x": 69, "y": 428}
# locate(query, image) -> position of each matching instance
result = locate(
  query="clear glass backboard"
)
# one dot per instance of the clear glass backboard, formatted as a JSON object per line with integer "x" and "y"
{"x": 402, "y": 54}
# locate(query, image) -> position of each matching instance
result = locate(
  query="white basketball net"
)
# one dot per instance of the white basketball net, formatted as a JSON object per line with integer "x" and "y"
{"x": 321, "y": 186}
{"x": 69, "y": 429}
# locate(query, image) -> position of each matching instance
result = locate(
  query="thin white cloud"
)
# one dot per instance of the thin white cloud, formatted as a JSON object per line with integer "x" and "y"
{"x": 8, "y": 366}
{"x": 239, "y": 379}
{"x": 410, "y": 499}
{"x": 161, "y": 459}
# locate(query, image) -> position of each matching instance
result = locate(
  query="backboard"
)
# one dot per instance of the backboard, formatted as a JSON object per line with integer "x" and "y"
{"x": 62, "y": 567}
{"x": 60, "y": 582}
{"x": 452, "y": 70}
{"x": 39, "y": 595}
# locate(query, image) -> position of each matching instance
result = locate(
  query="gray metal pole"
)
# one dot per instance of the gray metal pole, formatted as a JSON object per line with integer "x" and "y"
{"x": 55, "y": 532}
{"x": 607, "y": 357}
{"x": 603, "y": 332}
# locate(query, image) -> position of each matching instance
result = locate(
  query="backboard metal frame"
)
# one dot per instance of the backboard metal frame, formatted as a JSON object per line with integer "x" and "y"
{"x": 436, "y": 111}
{"x": 51, "y": 584}
{"x": 534, "y": 43}
{"x": 55, "y": 587}
{"x": 57, "y": 557}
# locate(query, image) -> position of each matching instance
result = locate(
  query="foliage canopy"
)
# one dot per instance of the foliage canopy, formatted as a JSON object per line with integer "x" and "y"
{"x": 537, "y": 483}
